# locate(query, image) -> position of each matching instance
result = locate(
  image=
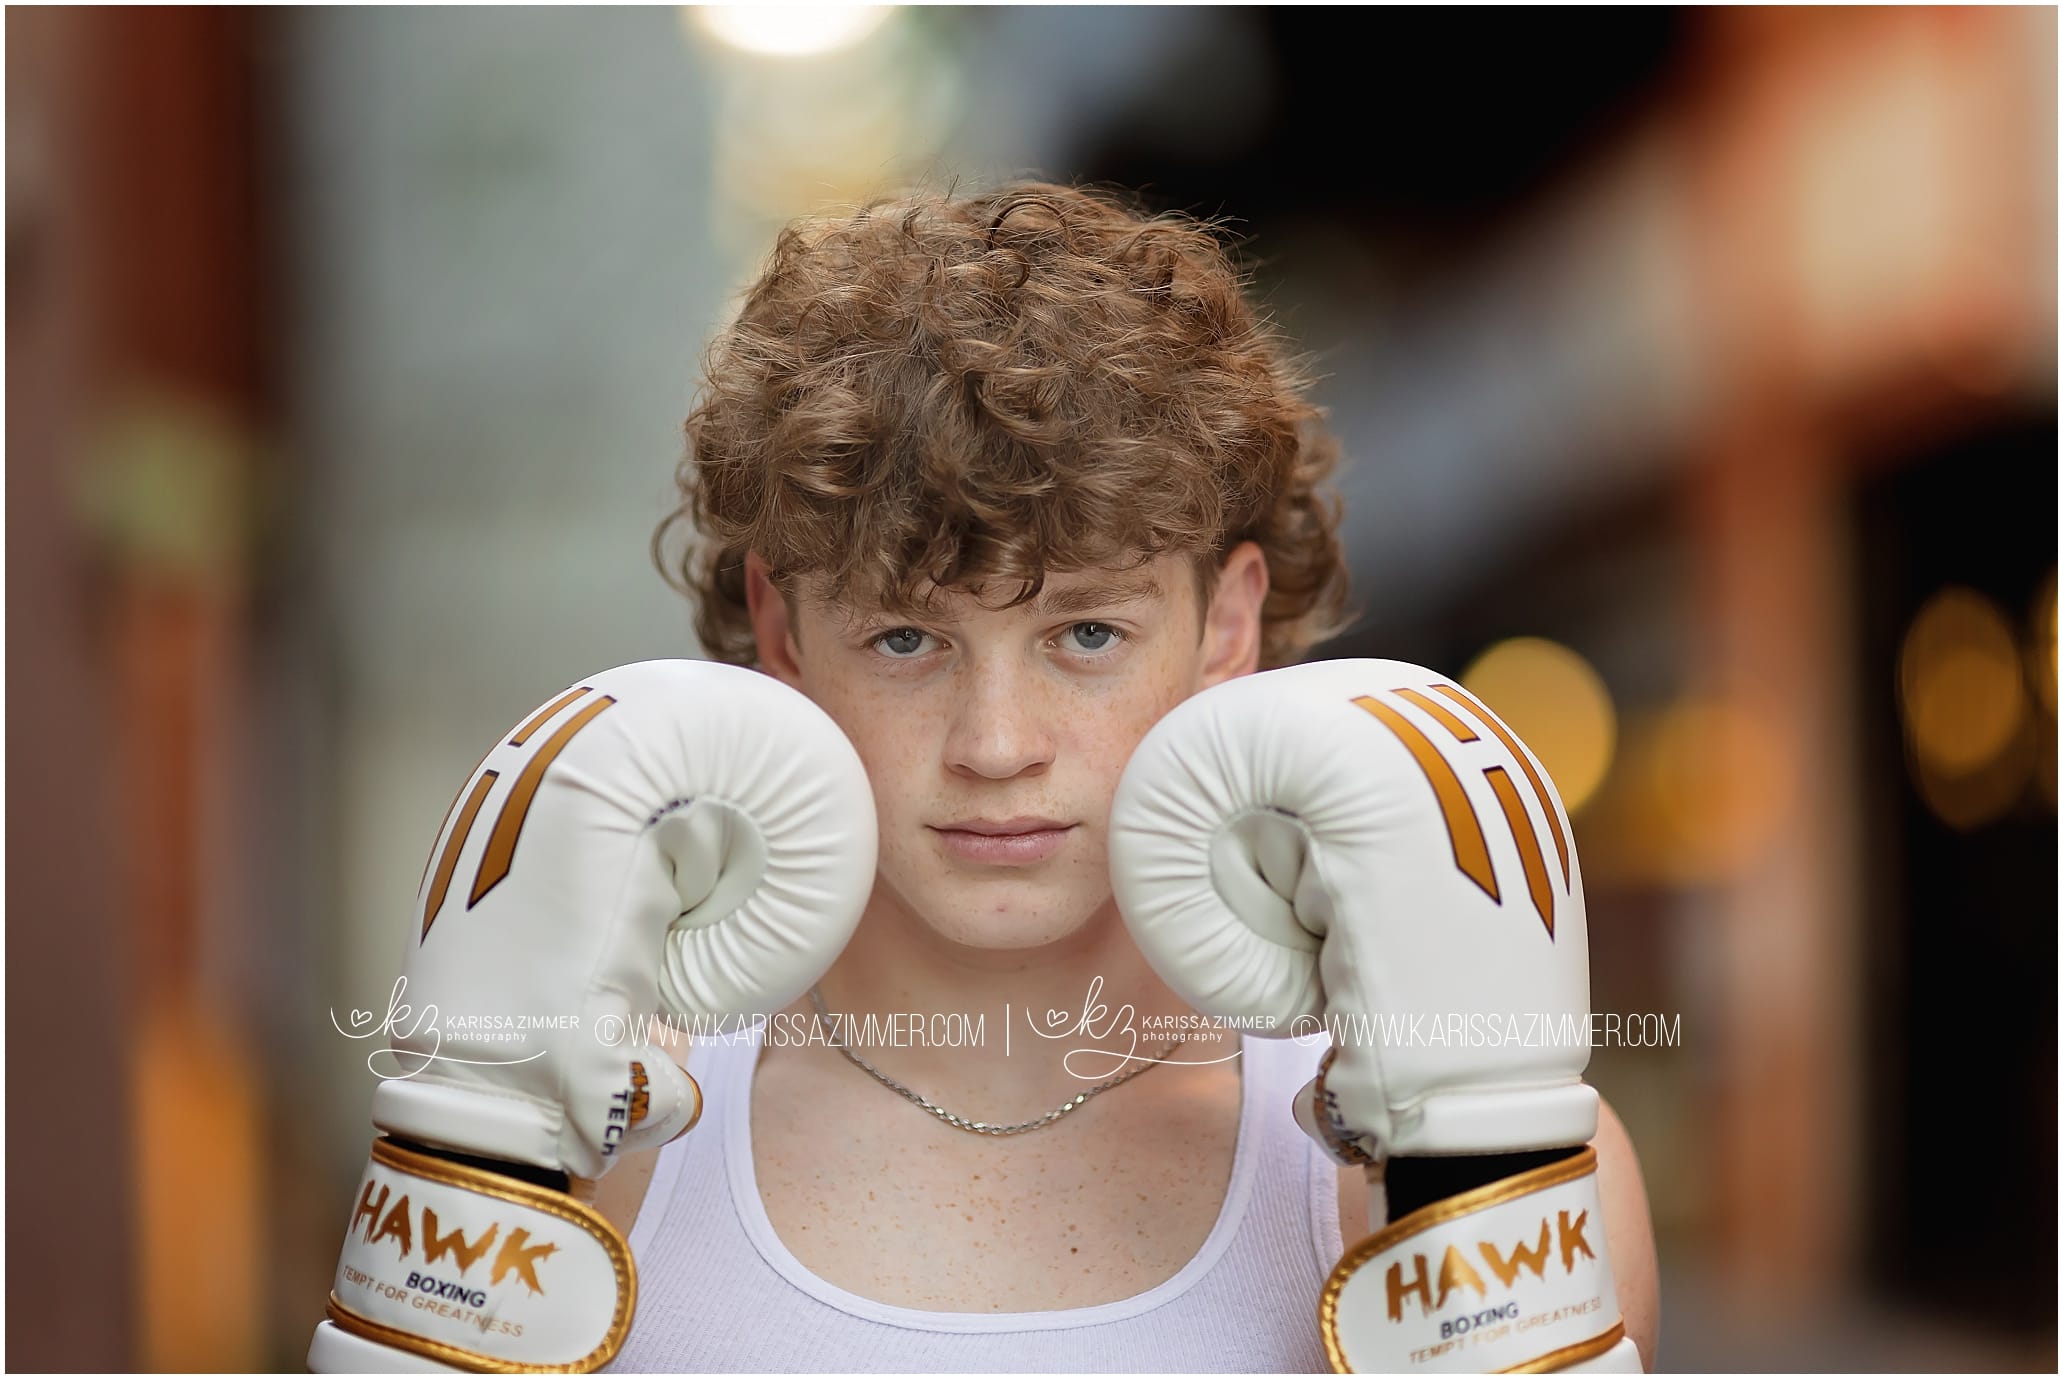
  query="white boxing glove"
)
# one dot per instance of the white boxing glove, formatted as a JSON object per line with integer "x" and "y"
{"x": 671, "y": 837}
{"x": 1363, "y": 843}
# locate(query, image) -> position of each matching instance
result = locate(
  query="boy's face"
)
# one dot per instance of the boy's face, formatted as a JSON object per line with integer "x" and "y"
{"x": 977, "y": 721}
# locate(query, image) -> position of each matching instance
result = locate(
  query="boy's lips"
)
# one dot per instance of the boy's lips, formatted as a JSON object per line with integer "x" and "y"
{"x": 1023, "y": 823}
{"x": 1010, "y": 842}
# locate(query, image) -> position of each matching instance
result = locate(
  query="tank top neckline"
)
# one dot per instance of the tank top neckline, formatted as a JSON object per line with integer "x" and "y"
{"x": 744, "y": 1185}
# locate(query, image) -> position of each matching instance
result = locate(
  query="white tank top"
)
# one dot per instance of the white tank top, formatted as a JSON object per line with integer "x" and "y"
{"x": 719, "y": 1293}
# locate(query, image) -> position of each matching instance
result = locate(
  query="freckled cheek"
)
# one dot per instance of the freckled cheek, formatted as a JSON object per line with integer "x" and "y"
{"x": 1105, "y": 754}
{"x": 1101, "y": 764}
{"x": 899, "y": 746}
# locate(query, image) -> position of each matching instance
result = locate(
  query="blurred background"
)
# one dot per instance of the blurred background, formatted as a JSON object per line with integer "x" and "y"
{"x": 1697, "y": 371}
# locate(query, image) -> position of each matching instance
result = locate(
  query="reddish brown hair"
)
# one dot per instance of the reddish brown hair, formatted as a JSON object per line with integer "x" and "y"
{"x": 934, "y": 391}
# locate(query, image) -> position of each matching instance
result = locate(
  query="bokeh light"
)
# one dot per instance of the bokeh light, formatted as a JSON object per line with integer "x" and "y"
{"x": 1964, "y": 701}
{"x": 1557, "y": 704}
{"x": 1959, "y": 683}
{"x": 790, "y": 136}
{"x": 787, "y": 30}
{"x": 1716, "y": 783}
{"x": 2041, "y": 646}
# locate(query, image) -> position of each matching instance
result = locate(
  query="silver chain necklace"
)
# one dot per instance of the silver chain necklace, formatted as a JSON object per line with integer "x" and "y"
{"x": 977, "y": 1127}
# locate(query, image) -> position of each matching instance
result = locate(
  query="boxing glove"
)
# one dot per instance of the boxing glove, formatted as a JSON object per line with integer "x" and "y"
{"x": 671, "y": 837}
{"x": 1361, "y": 846}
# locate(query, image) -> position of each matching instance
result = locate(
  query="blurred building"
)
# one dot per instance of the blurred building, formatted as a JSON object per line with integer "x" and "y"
{"x": 1699, "y": 390}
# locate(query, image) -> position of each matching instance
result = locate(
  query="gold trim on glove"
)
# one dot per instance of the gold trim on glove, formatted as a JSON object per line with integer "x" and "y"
{"x": 1572, "y": 1354}
{"x": 1496, "y": 725}
{"x": 1464, "y": 830}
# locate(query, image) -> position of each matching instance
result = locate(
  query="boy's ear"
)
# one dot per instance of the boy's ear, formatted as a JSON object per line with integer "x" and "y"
{"x": 772, "y": 628}
{"x": 1232, "y": 624}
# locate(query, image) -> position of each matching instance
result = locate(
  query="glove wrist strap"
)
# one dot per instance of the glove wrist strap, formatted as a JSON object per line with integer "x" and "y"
{"x": 1512, "y": 1276}
{"x": 480, "y": 1270}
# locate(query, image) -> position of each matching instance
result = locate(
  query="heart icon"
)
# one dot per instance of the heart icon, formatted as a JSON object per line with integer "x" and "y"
{"x": 360, "y": 1017}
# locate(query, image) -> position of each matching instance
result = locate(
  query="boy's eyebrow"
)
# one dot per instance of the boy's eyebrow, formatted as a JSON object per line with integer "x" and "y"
{"x": 1106, "y": 593}
{"x": 1083, "y": 598}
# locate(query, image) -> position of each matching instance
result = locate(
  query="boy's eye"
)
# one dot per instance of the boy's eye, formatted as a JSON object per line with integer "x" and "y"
{"x": 1094, "y": 636}
{"x": 902, "y": 643}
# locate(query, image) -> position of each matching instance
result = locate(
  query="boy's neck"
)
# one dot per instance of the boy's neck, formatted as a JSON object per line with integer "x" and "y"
{"x": 898, "y": 966}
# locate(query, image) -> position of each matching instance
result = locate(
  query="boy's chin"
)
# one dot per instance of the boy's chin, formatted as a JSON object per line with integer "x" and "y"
{"x": 1044, "y": 916}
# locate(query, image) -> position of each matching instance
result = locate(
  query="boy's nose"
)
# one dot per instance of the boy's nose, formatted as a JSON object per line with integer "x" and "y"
{"x": 1000, "y": 727}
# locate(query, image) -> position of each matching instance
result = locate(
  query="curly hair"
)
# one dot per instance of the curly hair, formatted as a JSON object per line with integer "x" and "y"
{"x": 929, "y": 392}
